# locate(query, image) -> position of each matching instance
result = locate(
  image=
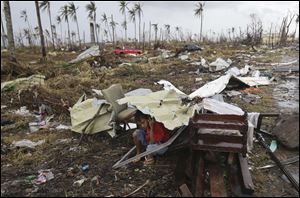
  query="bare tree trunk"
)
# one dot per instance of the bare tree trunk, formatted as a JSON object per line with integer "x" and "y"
{"x": 83, "y": 37}
{"x": 201, "y": 26}
{"x": 69, "y": 35}
{"x": 78, "y": 32}
{"x": 49, "y": 12}
{"x": 149, "y": 34}
{"x": 139, "y": 29}
{"x": 10, "y": 34}
{"x": 40, "y": 29}
{"x": 92, "y": 32}
{"x": 135, "y": 33}
{"x": 270, "y": 34}
{"x": 144, "y": 36}
{"x": 3, "y": 34}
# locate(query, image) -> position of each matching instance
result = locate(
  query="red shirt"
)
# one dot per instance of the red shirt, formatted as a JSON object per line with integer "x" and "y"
{"x": 160, "y": 133}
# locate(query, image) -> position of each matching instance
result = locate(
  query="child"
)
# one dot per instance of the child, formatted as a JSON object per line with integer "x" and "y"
{"x": 149, "y": 136}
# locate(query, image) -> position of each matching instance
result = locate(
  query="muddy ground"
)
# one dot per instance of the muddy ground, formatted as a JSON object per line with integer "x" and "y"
{"x": 61, "y": 154}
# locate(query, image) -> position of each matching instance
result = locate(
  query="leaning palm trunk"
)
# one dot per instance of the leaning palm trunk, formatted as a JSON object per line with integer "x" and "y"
{"x": 69, "y": 35}
{"x": 40, "y": 29}
{"x": 10, "y": 34}
{"x": 92, "y": 30}
{"x": 3, "y": 33}
{"x": 201, "y": 27}
{"x": 53, "y": 43}
{"x": 78, "y": 33}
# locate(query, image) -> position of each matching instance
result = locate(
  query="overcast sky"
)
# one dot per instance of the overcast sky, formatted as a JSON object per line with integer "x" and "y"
{"x": 218, "y": 15}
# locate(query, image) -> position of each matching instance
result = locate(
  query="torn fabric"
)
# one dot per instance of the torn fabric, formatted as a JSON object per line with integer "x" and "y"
{"x": 165, "y": 106}
{"x": 84, "y": 110}
{"x": 23, "y": 82}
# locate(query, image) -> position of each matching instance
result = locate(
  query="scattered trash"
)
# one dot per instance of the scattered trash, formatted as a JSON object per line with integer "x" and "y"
{"x": 85, "y": 167}
{"x": 191, "y": 48}
{"x": 184, "y": 57}
{"x": 63, "y": 127}
{"x": 198, "y": 79}
{"x": 23, "y": 111}
{"x": 52, "y": 53}
{"x": 79, "y": 183}
{"x": 23, "y": 82}
{"x": 92, "y": 51}
{"x": 96, "y": 179}
{"x": 125, "y": 64}
{"x": 43, "y": 177}
{"x": 256, "y": 73}
{"x": 218, "y": 65}
{"x": 233, "y": 93}
{"x": 233, "y": 71}
{"x": 245, "y": 70}
{"x": 27, "y": 143}
{"x": 6, "y": 122}
{"x": 169, "y": 86}
{"x": 127, "y": 51}
{"x": 29, "y": 179}
{"x": 273, "y": 146}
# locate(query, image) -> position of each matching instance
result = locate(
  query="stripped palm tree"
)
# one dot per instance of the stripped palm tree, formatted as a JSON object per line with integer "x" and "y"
{"x": 3, "y": 34}
{"x": 177, "y": 29}
{"x": 58, "y": 20}
{"x": 297, "y": 22}
{"x": 155, "y": 26}
{"x": 106, "y": 34}
{"x": 167, "y": 26}
{"x": 105, "y": 20}
{"x": 123, "y": 7}
{"x": 139, "y": 11}
{"x": 199, "y": 12}
{"x": 91, "y": 9}
{"x": 73, "y": 15}
{"x": 132, "y": 13}
{"x": 64, "y": 13}
{"x": 113, "y": 24}
{"x": 10, "y": 32}
{"x": 46, "y": 5}
{"x": 25, "y": 17}
{"x": 98, "y": 29}
{"x": 40, "y": 29}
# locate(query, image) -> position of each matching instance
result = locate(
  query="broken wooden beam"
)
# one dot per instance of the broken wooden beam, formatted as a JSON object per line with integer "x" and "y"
{"x": 199, "y": 191}
{"x": 185, "y": 191}
{"x": 217, "y": 186}
{"x": 248, "y": 185}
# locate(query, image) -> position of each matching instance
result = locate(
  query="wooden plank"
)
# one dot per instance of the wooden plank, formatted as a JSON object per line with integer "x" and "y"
{"x": 248, "y": 186}
{"x": 200, "y": 178}
{"x": 182, "y": 159}
{"x": 220, "y": 126}
{"x": 230, "y": 158}
{"x": 217, "y": 185}
{"x": 185, "y": 191}
{"x": 221, "y": 138}
{"x": 216, "y": 117}
{"x": 234, "y": 177}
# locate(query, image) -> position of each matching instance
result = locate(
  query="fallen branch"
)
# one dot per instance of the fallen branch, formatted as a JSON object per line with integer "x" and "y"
{"x": 139, "y": 188}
